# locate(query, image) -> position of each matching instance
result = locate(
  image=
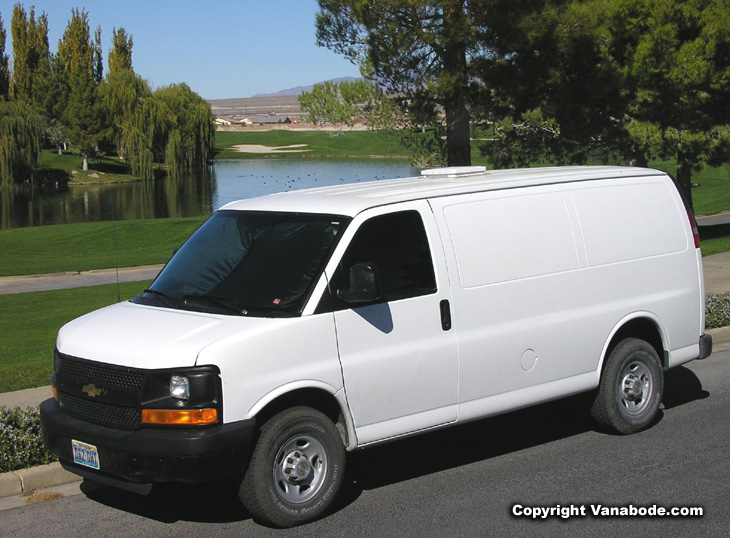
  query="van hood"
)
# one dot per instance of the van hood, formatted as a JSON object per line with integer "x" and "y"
{"x": 140, "y": 336}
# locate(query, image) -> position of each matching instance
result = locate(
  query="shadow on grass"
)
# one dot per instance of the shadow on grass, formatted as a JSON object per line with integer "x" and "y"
{"x": 108, "y": 166}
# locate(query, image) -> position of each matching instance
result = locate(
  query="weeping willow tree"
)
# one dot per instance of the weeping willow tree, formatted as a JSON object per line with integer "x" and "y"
{"x": 136, "y": 146}
{"x": 21, "y": 132}
{"x": 145, "y": 136}
{"x": 173, "y": 125}
{"x": 121, "y": 94}
{"x": 191, "y": 139}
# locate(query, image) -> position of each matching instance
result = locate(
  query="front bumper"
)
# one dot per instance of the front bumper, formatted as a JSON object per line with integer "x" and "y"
{"x": 150, "y": 455}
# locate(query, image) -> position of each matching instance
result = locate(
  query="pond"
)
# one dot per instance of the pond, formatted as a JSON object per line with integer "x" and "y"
{"x": 191, "y": 196}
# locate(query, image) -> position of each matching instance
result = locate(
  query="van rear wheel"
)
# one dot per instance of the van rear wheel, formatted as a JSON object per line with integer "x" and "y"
{"x": 296, "y": 468}
{"x": 631, "y": 388}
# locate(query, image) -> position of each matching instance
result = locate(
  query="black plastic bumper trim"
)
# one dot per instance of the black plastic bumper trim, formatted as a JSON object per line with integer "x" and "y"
{"x": 151, "y": 455}
{"x": 705, "y": 346}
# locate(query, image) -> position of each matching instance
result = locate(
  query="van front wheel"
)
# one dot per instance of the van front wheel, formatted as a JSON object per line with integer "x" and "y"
{"x": 296, "y": 468}
{"x": 631, "y": 388}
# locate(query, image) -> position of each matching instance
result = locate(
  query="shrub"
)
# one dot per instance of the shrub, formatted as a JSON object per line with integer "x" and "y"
{"x": 21, "y": 444}
{"x": 717, "y": 310}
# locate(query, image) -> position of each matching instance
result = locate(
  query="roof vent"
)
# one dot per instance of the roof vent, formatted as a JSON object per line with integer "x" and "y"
{"x": 454, "y": 171}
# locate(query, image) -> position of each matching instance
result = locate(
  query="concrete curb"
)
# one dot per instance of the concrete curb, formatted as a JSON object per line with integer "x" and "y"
{"x": 719, "y": 336}
{"x": 62, "y": 281}
{"x": 24, "y": 481}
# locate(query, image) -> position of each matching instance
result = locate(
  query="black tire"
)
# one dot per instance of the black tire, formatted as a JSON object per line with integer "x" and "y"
{"x": 296, "y": 468}
{"x": 631, "y": 388}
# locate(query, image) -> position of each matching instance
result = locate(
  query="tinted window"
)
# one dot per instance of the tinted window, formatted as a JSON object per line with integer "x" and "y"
{"x": 248, "y": 263}
{"x": 397, "y": 244}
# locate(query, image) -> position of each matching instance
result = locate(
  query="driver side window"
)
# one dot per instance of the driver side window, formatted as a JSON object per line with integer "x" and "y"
{"x": 396, "y": 243}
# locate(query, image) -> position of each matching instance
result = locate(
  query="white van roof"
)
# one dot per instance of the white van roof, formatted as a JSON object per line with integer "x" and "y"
{"x": 353, "y": 198}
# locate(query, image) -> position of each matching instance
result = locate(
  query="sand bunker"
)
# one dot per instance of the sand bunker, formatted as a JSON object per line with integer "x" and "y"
{"x": 255, "y": 148}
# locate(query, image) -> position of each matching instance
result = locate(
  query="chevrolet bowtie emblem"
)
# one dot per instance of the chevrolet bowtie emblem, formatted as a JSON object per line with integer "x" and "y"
{"x": 91, "y": 390}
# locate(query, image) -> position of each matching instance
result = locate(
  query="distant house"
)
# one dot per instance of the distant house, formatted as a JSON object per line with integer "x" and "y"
{"x": 270, "y": 120}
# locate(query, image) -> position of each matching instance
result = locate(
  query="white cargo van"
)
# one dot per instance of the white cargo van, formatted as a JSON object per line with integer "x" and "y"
{"x": 292, "y": 328}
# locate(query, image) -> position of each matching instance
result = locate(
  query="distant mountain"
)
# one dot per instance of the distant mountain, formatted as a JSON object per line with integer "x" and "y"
{"x": 301, "y": 89}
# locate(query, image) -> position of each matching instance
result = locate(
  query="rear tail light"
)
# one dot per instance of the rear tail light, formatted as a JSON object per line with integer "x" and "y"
{"x": 695, "y": 229}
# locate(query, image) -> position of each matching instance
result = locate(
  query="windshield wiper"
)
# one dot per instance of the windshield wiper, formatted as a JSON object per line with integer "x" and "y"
{"x": 163, "y": 297}
{"x": 219, "y": 301}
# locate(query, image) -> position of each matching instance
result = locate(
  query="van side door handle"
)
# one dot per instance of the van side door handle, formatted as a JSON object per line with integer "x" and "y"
{"x": 445, "y": 314}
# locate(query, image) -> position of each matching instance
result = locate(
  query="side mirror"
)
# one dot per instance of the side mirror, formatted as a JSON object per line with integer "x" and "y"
{"x": 364, "y": 285}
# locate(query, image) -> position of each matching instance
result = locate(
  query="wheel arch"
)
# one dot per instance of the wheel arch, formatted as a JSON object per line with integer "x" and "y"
{"x": 321, "y": 398}
{"x": 642, "y": 325}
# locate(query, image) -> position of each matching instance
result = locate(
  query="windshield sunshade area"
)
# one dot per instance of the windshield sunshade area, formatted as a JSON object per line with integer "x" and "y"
{"x": 248, "y": 263}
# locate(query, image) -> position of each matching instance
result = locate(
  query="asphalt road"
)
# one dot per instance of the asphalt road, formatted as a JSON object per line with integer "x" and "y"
{"x": 465, "y": 481}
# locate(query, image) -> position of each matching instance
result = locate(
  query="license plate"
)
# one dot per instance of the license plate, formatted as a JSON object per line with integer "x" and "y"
{"x": 85, "y": 454}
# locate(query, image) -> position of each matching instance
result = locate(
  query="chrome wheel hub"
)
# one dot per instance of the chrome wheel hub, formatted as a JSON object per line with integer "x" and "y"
{"x": 300, "y": 468}
{"x": 296, "y": 467}
{"x": 636, "y": 388}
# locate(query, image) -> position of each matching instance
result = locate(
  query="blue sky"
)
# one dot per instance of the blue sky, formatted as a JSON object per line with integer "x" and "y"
{"x": 221, "y": 49}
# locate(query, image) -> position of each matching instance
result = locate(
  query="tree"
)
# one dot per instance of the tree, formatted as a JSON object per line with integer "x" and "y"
{"x": 30, "y": 55}
{"x": 4, "y": 65}
{"x": 119, "y": 95}
{"x": 21, "y": 133}
{"x": 175, "y": 126}
{"x": 675, "y": 57}
{"x": 347, "y": 103}
{"x": 97, "y": 68}
{"x": 80, "y": 63}
{"x": 191, "y": 139}
{"x": 120, "y": 56}
{"x": 414, "y": 49}
{"x": 622, "y": 81}
{"x": 553, "y": 94}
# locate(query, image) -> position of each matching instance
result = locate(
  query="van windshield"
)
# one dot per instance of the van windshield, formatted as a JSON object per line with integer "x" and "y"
{"x": 248, "y": 263}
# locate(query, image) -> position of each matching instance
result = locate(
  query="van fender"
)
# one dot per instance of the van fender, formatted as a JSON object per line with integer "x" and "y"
{"x": 308, "y": 384}
{"x": 623, "y": 322}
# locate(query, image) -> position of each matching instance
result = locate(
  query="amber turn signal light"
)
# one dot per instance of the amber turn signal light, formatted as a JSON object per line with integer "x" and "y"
{"x": 179, "y": 417}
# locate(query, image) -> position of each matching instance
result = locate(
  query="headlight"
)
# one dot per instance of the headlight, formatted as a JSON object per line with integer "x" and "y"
{"x": 180, "y": 387}
{"x": 182, "y": 397}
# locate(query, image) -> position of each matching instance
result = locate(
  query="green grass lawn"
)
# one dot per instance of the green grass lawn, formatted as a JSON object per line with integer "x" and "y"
{"x": 84, "y": 246}
{"x": 319, "y": 143}
{"x": 29, "y": 324}
{"x": 101, "y": 169}
{"x": 715, "y": 246}
{"x": 711, "y": 194}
